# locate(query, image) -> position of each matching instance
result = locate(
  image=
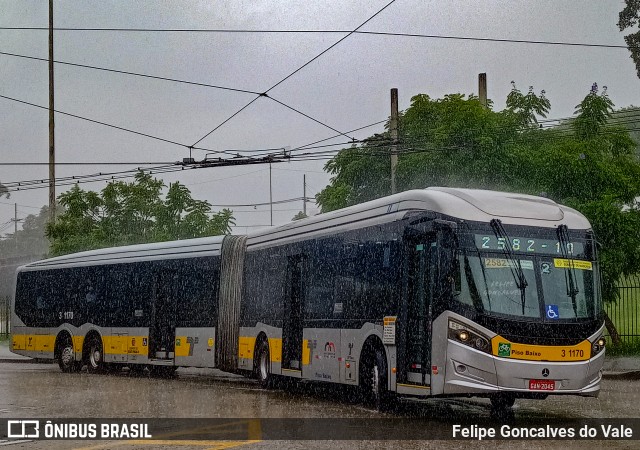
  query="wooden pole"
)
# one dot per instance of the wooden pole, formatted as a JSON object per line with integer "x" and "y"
{"x": 393, "y": 128}
{"x": 52, "y": 149}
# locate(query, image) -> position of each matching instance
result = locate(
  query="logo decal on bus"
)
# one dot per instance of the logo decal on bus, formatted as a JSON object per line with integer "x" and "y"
{"x": 330, "y": 347}
{"x": 504, "y": 349}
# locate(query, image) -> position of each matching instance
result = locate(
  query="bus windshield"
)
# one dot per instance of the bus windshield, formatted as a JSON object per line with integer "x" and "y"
{"x": 488, "y": 284}
{"x": 559, "y": 285}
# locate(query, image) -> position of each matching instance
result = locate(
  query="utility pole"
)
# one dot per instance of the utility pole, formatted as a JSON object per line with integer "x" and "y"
{"x": 52, "y": 148}
{"x": 304, "y": 194}
{"x": 15, "y": 226}
{"x": 393, "y": 128}
{"x": 15, "y": 221}
{"x": 482, "y": 89}
{"x": 270, "y": 194}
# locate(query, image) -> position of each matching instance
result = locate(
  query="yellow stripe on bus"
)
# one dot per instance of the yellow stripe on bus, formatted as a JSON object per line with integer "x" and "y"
{"x": 503, "y": 348}
{"x": 33, "y": 342}
{"x": 114, "y": 345}
{"x": 247, "y": 344}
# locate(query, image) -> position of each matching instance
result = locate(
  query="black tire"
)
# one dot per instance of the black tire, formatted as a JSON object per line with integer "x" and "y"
{"x": 94, "y": 357}
{"x": 374, "y": 380}
{"x": 503, "y": 400}
{"x": 66, "y": 355}
{"x": 263, "y": 365}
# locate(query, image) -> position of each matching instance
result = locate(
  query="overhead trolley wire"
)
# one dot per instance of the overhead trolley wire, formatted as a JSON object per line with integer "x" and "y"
{"x": 173, "y": 80}
{"x": 79, "y": 163}
{"x": 282, "y": 31}
{"x": 128, "y": 130}
{"x": 125, "y": 72}
{"x": 266, "y": 93}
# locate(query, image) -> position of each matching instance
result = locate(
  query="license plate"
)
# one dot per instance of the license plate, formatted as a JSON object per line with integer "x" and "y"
{"x": 542, "y": 385}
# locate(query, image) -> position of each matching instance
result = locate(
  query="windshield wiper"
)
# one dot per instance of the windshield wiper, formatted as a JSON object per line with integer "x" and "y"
{"x": 473, "y": 287}
{"x": 569, "y": 273}
{"x": 515, "y": 266}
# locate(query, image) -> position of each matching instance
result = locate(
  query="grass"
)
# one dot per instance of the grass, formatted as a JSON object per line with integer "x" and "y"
{"x": 625, "y": 315}
{"x": 624, "y": 349}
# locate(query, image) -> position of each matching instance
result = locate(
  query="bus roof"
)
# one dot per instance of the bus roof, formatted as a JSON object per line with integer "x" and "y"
{"x": 466, "y": 204}
{"x": 187, "y": 248}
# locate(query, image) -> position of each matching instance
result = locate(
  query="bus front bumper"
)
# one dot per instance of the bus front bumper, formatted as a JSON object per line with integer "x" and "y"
{"x": 469, "y": 371}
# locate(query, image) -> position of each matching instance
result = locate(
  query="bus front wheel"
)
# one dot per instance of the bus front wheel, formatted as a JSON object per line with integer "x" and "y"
{"x": 374, "y": 380}
{"x": 95, "y": 355}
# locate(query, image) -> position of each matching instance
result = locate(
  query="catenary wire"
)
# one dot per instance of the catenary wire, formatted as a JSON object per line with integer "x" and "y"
{"x": 106, "y": 69}
{"x": 266, "y": 92}
{"x": 280, "y": 31}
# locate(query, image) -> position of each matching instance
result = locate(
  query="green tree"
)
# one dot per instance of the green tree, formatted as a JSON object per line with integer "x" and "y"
{"x": 300, "y": 215}
{"x": 527, "y": 107}
{"x": 589, "y": 164}
{"x": 629, "y": 17}
{"x": 132, "y": 213}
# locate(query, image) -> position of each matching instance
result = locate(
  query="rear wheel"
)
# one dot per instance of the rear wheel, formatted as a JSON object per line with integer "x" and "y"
{"x": 263, "y": 366}
{"x": 95, "y": 356}
{"x": 374, "y": 380}
{"x": 66, "y": 355}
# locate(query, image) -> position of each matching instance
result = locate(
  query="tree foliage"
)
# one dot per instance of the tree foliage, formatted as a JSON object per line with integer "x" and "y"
{"x": 299, "y": 216}
{"x": 132, "y": 213}
{"x": 629, "y": 17}
{"x": 30, "y": 239}
{"x": 590, "y": 165}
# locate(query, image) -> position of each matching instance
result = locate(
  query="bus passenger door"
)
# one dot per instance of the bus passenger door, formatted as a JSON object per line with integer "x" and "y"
{"x": 292, "y": 323}
{"x": 415, "y": 354}
{"x": 162, "y": 333}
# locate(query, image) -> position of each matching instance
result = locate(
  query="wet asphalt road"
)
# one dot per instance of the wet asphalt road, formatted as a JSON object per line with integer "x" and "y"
{"x": 42, "y": 391}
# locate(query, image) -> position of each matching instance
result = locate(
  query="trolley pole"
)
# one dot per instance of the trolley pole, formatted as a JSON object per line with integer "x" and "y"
{"x": 52, "y": 148}
{"x": 304, "y": 194}
{"x": 393, "y": 128}
{"x": 270, "y": 194}
{"x": 15, "y": 226}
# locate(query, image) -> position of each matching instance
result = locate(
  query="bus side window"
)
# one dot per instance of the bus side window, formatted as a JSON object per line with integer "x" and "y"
{"x": 320, "y": 278}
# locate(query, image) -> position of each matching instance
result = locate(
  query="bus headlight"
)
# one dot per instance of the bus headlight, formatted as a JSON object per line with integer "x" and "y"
{"x": 597, "y": 346}
{"x": 468, "y": 336}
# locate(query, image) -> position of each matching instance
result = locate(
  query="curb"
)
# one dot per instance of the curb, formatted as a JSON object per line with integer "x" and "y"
{"x": 628, "y": 375}
{"x": 25, "y": 361}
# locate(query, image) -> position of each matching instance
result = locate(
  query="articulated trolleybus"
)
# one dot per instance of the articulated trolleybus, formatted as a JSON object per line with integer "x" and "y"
{"x": 435, "y": 292}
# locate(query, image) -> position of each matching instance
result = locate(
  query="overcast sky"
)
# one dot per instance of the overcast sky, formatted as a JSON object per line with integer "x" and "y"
{"x": 346, "y": 88}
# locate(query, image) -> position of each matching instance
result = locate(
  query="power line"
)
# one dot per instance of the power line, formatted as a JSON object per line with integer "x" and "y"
{"x": 21, "y": 206}
{"x": 96, "y": 121}
{"x": 106, "y": 69}
{"x": 77, "y": 163}
{"x": 371, "y": 33}
{"x": 265, "y": 93}
{"x": 275, "y": 202}
{"x": 124, "y": 72}
{"x": 309, "y": 117}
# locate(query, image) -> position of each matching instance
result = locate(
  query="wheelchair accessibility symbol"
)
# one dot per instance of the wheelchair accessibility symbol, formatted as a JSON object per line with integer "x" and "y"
{"x": 552, "y": 312}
